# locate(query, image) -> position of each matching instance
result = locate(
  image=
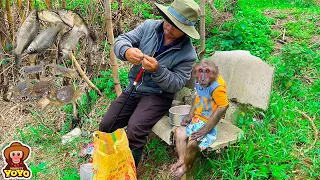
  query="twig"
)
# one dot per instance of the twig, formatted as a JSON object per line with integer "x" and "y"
{"x": 283, "y": 35}
{"x": 83, "y": 75}
{"x": 212, "y": 7}
{"x": 313, "y": 126}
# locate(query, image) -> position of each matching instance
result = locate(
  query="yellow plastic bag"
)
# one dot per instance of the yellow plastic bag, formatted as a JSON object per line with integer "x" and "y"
{"x": 112, "y": 157}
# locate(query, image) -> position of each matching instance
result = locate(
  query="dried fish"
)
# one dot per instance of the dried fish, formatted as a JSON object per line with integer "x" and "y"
{"x": 27, "y": 32}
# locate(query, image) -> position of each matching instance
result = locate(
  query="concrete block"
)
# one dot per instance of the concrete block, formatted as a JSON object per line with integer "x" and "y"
{"x": 227, "y": 133}
{"x": 248, "y": 78}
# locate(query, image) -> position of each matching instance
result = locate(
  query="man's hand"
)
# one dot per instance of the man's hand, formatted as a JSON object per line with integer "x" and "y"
{"x": 186, "y": 120}
{"x": 198, "y": 135}
{"x": 150, "y": 64}
{"x": 134, "y": 55}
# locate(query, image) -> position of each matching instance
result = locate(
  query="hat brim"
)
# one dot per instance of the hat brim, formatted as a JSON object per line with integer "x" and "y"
{"x": 24, "y": 149}
{"x": 189, "y": 30}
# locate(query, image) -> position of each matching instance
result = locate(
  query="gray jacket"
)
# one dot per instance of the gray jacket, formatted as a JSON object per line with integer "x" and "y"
{"x": 175, "y": 64}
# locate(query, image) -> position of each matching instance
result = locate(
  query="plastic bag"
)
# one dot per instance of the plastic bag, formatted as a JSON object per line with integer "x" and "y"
{"x": 112, "y": 157}
{"x": 86, "y": 171}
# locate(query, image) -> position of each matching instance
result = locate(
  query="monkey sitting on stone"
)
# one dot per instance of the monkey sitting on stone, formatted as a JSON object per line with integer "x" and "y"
{"x": 198, "y": 129}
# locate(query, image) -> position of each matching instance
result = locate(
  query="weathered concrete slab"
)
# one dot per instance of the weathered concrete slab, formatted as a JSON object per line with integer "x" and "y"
{"x": 227, "y": 133}
{"x": 248, "y": 78}
{"x": 164, "y": 130}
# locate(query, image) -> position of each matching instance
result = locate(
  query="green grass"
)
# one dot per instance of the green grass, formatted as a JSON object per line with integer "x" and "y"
{"x": 274, "y": 148}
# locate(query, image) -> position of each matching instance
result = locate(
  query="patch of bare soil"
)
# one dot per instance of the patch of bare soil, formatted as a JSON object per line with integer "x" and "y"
{"x": 279, "y": 26}
{"x": 13, "y": 116}
{"x": 315, "y": 39}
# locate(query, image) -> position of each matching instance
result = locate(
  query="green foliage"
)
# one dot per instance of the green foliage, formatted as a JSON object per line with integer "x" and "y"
{"x": 37, "y": 169}
{"x": 277, "y": 4}
{"x": 158, "y": 151}
{"x": 281, "y": 16}
{"x": 143, "y": 10}
{"x": 273, "y": 138}
{"x": 105, "y": 81}
{"x": 249, "y": 30}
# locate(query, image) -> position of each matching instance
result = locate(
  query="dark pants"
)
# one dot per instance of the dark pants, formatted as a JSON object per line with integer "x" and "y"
{"x": 140, "y": 114}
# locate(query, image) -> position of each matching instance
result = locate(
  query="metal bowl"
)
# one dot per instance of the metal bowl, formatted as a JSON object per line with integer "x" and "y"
{"x": 177, "y": 113}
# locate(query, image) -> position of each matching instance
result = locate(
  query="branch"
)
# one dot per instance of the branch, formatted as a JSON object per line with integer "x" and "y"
{"x": 212, "y": 7}
{"x": 316, "y": 132}
{"x": 83, "y": 75}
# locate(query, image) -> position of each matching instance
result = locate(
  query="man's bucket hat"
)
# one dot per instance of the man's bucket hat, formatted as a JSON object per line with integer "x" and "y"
{"x": 184, "y": 14}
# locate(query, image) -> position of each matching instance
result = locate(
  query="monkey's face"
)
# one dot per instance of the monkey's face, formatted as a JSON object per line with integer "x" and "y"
{"x": 204, "y": 75}
{"x": 16, "y": 156}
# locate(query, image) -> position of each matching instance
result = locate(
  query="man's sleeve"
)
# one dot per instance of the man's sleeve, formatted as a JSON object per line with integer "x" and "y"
{"x": 175, "y": 79}
{"x": 128, "y": 40}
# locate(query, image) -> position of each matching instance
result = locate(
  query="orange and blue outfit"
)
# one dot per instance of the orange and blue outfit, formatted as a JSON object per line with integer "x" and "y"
{"x": 206, "y": 102}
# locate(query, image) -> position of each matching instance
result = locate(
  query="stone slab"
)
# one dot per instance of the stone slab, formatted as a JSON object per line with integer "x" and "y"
{"x": 227, "y": 133}
{"x": 248, "y": 78}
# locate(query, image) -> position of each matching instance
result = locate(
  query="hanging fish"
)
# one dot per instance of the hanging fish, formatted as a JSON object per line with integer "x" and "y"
{"x": 73, "y": 19}
{"x": 27, "y": 32}
{"x": 44, "y": 40}
{"x": 49, "y": 16}
{"x": 67, "y": 43}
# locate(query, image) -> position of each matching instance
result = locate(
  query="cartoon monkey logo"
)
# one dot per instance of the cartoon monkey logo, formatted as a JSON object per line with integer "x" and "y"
{"x": 15, "y": 154}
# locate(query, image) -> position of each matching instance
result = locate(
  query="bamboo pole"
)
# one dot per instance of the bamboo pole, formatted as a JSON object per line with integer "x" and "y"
{"x": 3, "y": 28}
{"x": 83, "y": 74}
{"x": 64, "y": 4}
{"x": 114, "y": 65}
{"x": 19, "y": 4}
{"x": 30, "y": 5}
{"x": 202, "y": 29}
{"x": 210, "y": 2}
{"x": 49, "y": 4}
{"x": 9, "y": 18}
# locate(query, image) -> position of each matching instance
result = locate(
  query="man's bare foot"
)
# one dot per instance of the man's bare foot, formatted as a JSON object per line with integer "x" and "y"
{"x": 179, "y": 172}
{"x": 176, "y": 165}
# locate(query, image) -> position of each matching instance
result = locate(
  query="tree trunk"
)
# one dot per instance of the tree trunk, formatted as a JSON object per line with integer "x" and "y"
{"x": 202, "y": 29}
{"x": 114, "y": 65}
{"x": 9, "y": 18}
{"x": 49, "y": 4}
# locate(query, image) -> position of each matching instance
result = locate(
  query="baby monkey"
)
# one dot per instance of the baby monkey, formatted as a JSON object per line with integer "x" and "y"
{"x": 198, "y": 129}
{"x": 205, "y": 72}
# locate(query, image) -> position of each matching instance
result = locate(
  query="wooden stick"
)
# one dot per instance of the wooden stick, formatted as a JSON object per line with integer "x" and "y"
{"x": 213, "y": 8}
{"x": 9, "y": 18}
{"x": 284, "y": 35}
{"x": 30, "y": 5}
{"x": 48, "y": 4}
{"x": 114, "y": 65}
{"x": 83, "y": 75}
{"x": 64, "y": 4}
{"x": 202, "y": 29}
{"x": 19, "y": 4}
{"x": 3, "y": 28}
{"x": 316, "y": 132}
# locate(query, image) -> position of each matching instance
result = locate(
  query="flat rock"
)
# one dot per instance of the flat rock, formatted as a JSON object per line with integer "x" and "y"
{"x": 227, "y": 133}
